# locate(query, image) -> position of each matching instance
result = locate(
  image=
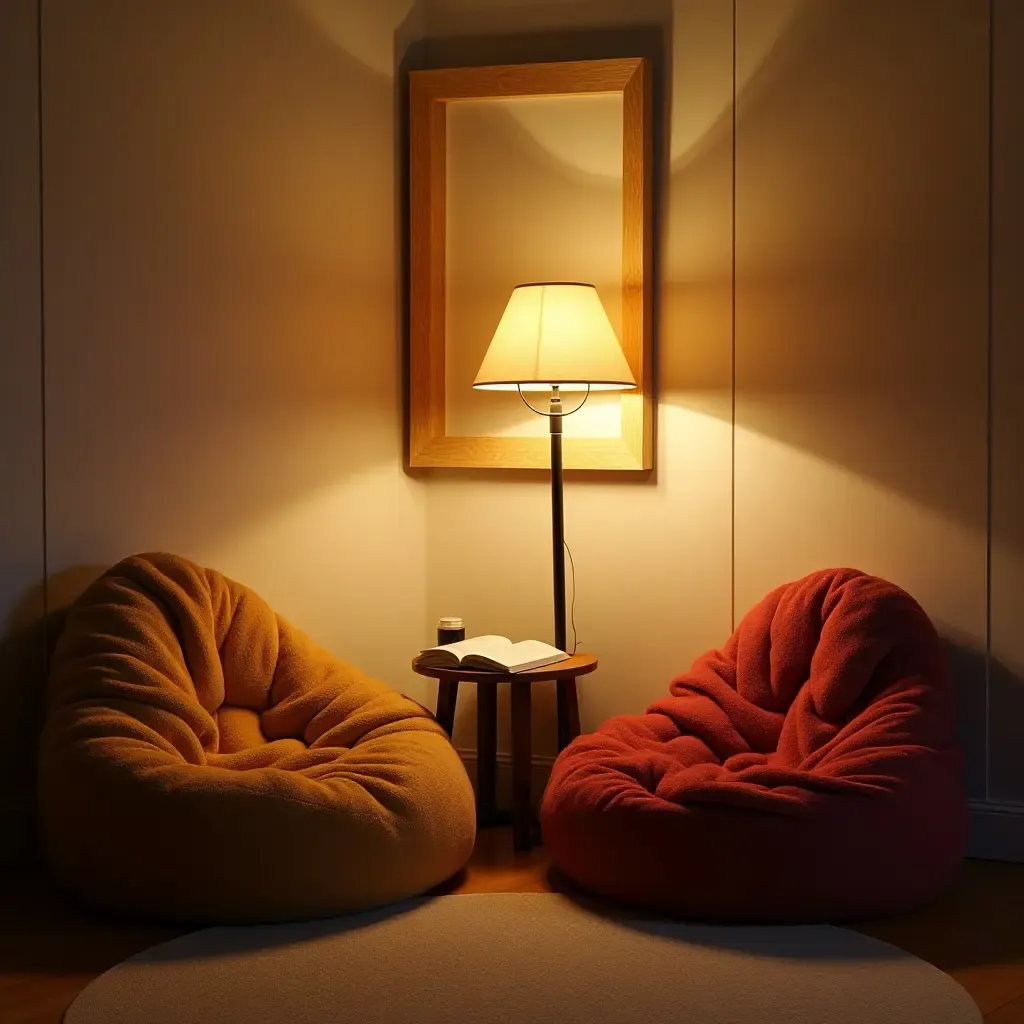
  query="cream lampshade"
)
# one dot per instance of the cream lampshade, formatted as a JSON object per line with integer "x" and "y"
{"x": 554, "y": 334}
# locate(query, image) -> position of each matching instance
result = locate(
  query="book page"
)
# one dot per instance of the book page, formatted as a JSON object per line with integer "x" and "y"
{"x": 527, "y": 651}
{"x": 495, "y": 647}
{"x": 489, "y": 645}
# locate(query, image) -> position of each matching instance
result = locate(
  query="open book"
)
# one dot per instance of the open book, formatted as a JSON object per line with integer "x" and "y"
{"x": 492, "y": 653}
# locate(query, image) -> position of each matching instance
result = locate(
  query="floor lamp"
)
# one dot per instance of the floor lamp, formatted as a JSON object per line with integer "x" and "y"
{"x": 555, "y": 336}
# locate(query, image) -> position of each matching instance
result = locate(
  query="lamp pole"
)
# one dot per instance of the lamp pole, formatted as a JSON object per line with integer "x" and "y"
{"x": 557, "y": 517}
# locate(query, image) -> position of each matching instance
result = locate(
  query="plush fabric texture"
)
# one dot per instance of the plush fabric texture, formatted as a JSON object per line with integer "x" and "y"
{"x": 203, "y": 760}
{"x": 805, "y": 772}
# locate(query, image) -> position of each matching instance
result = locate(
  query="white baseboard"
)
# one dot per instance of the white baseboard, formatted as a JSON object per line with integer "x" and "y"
{"x": 996, "y": 830}
{"x": 540, "y": 770}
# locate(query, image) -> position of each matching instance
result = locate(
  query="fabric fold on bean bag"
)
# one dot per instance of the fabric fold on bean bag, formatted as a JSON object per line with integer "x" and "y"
{"x": 805, "y": 772}
{"x": 203, "y": 760}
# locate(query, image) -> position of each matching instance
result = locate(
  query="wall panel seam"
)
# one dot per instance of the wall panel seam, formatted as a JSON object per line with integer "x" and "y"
{"x": 990, "y": 240}
{"x": 42, "y": 338}
{"x": 732, "y": 454}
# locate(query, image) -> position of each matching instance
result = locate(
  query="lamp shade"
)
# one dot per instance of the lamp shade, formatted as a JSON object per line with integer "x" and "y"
{"x": 554, "y": 333}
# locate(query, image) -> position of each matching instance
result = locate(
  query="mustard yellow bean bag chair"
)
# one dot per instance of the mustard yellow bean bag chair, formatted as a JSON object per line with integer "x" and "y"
{"x": 202, "y": 760}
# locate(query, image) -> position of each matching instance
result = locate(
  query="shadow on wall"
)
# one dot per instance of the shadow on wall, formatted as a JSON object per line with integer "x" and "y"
{"x": 1006, "y": 704}
{"x": 988, "y": 729}
{"x": 220, "y": 269}
{"x": 861, "y": 312}
{"x": 25, "y": 651}
{"x": 861, "y": 223}
{"x": 470, "y": 37}
{"x": 861, "y": 287}
{"x": 861, "y": 250}
{"x": 861, "y": 245}
{"x": 969, "y": 665}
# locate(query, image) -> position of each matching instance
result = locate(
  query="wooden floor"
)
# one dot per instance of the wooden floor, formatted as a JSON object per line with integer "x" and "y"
{"x": 50, "y": 949}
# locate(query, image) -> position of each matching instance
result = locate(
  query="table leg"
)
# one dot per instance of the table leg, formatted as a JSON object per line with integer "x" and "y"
{"x": 486, "y": 751}
{"x": 447, "y": 692}
{"x": 522, "y": 810}
{"x": 568, "y": 713}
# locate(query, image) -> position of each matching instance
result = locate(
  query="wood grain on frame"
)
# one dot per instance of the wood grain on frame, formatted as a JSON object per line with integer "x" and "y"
{"x": 430, "y": 92}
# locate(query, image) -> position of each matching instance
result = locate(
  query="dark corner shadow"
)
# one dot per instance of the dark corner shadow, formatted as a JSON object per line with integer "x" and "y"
{"x": 990, "y": 706}
{"x": 969, "y": 666}
{"x": 25, "y": 651}
{"x": 493, "y": 45}
{"x": 1006, "y": 712}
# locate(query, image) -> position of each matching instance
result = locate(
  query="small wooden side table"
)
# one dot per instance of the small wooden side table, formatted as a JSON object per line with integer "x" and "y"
{"x": 564, "y": 674}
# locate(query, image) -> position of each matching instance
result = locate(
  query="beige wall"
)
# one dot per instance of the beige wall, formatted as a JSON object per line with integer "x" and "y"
{"x": 861, "y": 352}
{"x": 861, "y": 311}
{"x": 221, "y": 260}
{"x": 222, "y": 367}
{"x": 21, "y": 444}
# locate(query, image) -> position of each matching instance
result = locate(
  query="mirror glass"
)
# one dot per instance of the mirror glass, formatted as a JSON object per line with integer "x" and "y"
{"x": 534, "y": 193}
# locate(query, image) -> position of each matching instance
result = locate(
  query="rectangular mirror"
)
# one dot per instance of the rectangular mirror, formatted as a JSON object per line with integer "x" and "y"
{"x": 523, "y": 173}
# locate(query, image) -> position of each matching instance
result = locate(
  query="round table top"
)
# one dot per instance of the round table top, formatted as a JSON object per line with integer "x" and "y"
{"x": 575, "y": 665}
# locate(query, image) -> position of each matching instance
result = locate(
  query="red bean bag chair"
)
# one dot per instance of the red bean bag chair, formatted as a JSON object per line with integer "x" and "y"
{"x": 806, "y": 772}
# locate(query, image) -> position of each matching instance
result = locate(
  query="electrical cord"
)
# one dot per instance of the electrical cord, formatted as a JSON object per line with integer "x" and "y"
{"x": 572, "y": 603}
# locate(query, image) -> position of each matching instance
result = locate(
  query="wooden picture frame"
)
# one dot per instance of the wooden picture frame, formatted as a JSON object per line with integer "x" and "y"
{"x": 430, "y": 93}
